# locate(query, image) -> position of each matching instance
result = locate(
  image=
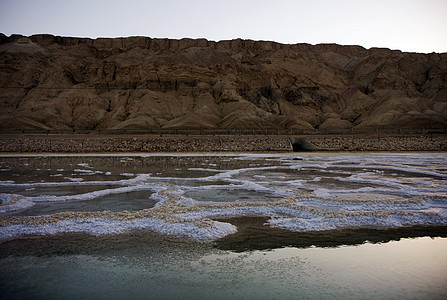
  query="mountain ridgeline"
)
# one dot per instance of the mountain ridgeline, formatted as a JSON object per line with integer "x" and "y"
{"x": 52, "y": 82}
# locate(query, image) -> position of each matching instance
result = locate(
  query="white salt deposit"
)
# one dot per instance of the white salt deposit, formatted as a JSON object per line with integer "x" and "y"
{"x": 311, "y": 193}
{"x": 85, "y": 165}
{"x": 99, "y": 226}
{"x": 127, "y": 174}
{"x": 12, "y": 202}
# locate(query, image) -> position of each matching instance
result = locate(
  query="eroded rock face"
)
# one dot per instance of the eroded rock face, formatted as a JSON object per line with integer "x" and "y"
{"x": 51, "y": 82}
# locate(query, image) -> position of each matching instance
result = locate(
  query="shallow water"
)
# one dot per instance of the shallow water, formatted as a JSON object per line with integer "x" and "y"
{"x": 141, "y": 266}
{"x": 257, "y": 226}
{"x": 134, "y": 201}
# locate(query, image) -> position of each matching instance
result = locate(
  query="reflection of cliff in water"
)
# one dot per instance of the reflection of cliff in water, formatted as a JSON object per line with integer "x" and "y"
{"x": 254, "y": 234}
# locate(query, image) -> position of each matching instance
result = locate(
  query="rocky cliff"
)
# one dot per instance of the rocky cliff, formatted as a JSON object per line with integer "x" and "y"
{"x": 52, "y": 82}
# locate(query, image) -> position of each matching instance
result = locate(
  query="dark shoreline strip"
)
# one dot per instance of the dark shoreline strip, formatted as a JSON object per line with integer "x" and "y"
{"x": 97, "y": 143}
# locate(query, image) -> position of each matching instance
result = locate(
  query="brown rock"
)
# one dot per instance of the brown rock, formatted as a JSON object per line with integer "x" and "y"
{"x": 52, "y": 82}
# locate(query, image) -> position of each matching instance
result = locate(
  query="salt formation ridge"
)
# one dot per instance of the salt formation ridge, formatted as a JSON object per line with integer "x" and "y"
{"x": 310, "y": 194}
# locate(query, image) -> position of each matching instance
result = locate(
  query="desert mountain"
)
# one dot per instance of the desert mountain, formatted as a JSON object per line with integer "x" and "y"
{"x": 52, "y": 82}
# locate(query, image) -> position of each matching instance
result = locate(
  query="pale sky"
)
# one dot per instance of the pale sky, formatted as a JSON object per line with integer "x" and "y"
{"x": 407, "y": 25}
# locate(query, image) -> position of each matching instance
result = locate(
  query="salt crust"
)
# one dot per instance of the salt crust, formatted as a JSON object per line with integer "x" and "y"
{"x": 392, "y": 203}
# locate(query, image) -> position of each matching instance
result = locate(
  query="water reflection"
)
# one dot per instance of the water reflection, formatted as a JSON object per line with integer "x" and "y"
{"x": 255, "y": 234}
{"x": 144, "y": 265}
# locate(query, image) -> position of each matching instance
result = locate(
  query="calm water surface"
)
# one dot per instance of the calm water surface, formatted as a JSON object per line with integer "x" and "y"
{"x": 405, "y": 269}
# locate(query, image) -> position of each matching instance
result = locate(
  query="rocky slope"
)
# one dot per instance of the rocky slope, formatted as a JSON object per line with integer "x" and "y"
{"x": 51, "y": 82}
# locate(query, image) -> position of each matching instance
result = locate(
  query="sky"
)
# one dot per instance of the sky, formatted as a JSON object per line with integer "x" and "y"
{"x": 407, "y": 25}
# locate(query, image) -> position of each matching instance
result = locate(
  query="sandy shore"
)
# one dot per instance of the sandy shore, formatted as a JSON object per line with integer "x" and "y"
{"x": 100, "y": 143}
